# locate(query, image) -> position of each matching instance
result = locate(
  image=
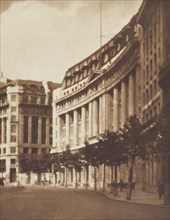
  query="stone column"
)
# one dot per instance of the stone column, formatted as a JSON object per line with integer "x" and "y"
{"x": 100, "y": 115}
{"x": 3, "y": 132}
{"x": 48, "y": 131}
{"x": 95, "y": 117}
{"x": 67, "y": 129}
{"x": 104, "y": 113}
{"x": 75, "y": 127}
{"x": 90, "y": 118}
{"x": 115, "y": 109}
{"x": 58, "y": 132}
{"x": 131, "y": 95}
{"x": 123, "y": 103}
{"x": 29, "y": 130}
{"x": 39, "y": 130}
{"x": 83, "y": 124}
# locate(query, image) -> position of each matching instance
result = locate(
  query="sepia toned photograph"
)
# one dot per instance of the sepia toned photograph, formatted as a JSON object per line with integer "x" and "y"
{"x": 84, "y": 109}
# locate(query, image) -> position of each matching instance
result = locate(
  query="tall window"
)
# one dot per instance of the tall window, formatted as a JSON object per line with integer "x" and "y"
{"x": 25, "y": 129}
{"x": 34, "y": 130}
{"x": 43, "y": 131}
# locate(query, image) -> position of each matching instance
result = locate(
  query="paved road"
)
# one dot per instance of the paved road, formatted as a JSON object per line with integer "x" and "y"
{"x": 53, "y": 203}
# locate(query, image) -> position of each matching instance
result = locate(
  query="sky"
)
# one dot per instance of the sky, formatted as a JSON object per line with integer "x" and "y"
{"x": 41, "y": 39}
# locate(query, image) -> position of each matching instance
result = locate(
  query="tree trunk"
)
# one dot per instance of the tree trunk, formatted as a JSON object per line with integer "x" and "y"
{"x": 76, "y": 184}
{"x": 87, "y": 176}
{"x": 111, "y": 187}
{"x": 104, "y": 177}
{"x": 95, "y": 186}
{"x": 66, "y": 177}
{"x": 115, "y": 182}
{"x": 129, "y": 192}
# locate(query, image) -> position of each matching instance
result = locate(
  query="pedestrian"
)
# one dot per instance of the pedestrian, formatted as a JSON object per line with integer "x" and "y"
{"x": 160, "y": 189}
{"x": 121, "y": 185}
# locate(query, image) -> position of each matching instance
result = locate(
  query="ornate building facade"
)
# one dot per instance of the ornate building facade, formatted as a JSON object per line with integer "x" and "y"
{"x": 117, "y": 81}
{"x": 25, "y": 122}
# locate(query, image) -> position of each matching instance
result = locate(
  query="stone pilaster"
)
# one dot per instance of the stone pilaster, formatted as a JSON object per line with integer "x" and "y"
{"x": 58, "y": 132}
{"x": 100, "y": 115}
{"x": 83, "y": 124}
{"x": 115, "y": 109}
{"x": 95, "y": 117}
{"x": 67, "y": 129}
{"x": 123, "y": 103}
{"x": 90, "y": 118}
{"x": 75, "y": 116}
{"x": 131, "y": 103}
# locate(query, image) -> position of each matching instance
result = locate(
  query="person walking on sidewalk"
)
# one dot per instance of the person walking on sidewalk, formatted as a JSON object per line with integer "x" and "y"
{"x": 160, "y": 189}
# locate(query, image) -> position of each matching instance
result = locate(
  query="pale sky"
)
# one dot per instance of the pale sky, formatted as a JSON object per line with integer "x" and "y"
{"x": 42, "y": 39}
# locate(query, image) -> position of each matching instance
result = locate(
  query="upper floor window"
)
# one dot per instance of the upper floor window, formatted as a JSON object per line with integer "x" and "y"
{"x": 13, "y": 128}
{"x": 34, "y": 100}
{"x": 13, "y": 138}
{"x": 13, "y": 161}
{"x": 13, "y": 118}
{"x": 13, "y": 98}
{"x": 13, "y": 109}
{"x": 13, "y": 150}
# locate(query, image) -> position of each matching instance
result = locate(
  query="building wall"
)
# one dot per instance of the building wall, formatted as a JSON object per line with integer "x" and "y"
{"x": 25, "y": 123}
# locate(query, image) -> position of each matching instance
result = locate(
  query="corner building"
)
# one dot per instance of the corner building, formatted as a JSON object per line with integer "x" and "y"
{"x": 103, "y": 90}
{"x": 25, "y": 123}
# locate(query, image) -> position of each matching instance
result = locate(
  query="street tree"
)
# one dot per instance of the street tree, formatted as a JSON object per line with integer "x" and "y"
{"x": 71, "y": 159}
{"x": 91, "y": 155}
{"x": 131, "y": 135}
{"x": 113, "y": 154}
{"x": 35, "y": 163}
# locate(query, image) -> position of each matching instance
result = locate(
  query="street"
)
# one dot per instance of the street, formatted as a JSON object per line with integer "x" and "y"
{"x": 59, "y": 203}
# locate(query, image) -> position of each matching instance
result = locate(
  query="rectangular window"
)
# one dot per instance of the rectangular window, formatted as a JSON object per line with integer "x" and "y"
{"x": 34, "y": 100}
{"x": 25, "y": 150}
{"x": 13, "y": 161}
{"x": 4, "y": 150}
{"x": 34, "y": 130}
{"x": 43, "y": 131}
{"x": 13, "y": 118}
{"x": 13, "y": 109}
{"x": 13, "y": 138}
{"x": 34, "y": 150}
{"x": 13, "y": 150}
{"x": 13, "y": 98}
{"x": 42, "y": 101}
{"x": 25, "y": 129}
{"x": 2, "y": 165}
{"x": 25, "y": 99}
{"x": 13, "y": 128}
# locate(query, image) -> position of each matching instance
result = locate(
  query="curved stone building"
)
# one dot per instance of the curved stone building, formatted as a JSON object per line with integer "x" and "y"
{"x": 103, "y": 90}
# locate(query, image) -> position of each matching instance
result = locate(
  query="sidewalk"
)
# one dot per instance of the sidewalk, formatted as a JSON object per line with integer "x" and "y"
{"x": 138, "y": 197}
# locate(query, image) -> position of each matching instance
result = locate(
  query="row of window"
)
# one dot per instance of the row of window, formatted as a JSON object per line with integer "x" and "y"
{"x": 35, "y": 150}
{"x": 150, "y": 113}
{"x": 150, "y": 92}
{"x": 12, "y": 150}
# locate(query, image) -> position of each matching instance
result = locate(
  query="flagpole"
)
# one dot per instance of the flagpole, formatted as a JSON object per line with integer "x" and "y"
{"x": 100, "y": 64}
